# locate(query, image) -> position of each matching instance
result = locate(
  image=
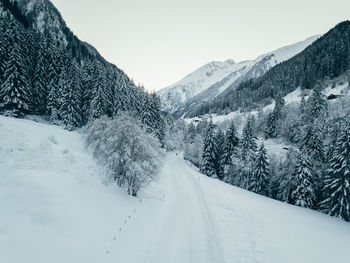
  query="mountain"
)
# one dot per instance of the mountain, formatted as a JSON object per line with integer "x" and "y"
{"x": 43, "y": 17}
{"x": 216, "y": 77}
{"x": 46, "y": 70}
{"x": 327, "y": 58}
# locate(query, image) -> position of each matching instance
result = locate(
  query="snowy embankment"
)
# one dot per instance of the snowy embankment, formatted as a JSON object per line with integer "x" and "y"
{"x": 55, "y": 208}
{"x": 53, "y": 202}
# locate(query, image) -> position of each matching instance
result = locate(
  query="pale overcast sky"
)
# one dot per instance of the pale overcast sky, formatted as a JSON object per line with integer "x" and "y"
{"x": 157, "y": 42}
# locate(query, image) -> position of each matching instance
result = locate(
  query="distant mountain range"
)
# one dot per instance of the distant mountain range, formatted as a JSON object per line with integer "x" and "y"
{"x": 214, "y": 78}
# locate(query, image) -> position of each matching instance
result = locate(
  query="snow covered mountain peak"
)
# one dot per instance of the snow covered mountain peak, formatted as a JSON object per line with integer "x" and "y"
{"x": 212, "y": 79}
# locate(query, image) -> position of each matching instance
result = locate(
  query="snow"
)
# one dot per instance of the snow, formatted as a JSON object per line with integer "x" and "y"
{"x": 293, "y": 97}
{"x": 197, "y": 82}
{"x": 56, "y": 207}
{"x": 287, "y": 52}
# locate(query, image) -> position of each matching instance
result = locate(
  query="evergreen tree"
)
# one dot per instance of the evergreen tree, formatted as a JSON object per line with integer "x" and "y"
{"x": 151, "y": 116}
{"x": 272, "y": 125}
{"x": 313, "y": 142}
{"x": 286, "y": 172}
{"x": 70, "y": 111}
{"x": 40, "y": 92}
{"x": 14, "y": 91}
{"x": 294, "y": 133}
{"x": 86, "y": 83}
{"x": 100, "y": 96}
{"x": 317, "y": 104}
{"x": 248, "y": 154}
{"x": 303, "y": 193}
{"x": 220, "y": 143}
{"x": 55, "y": 79}
{"x": 248, "y": 143}
{"x": 259, "y": 180}
{"x": 231, "y": 144}
{"x": 303, "y": 108}
{"x": 209, "y": 152}
{"x": 337, "y": 181}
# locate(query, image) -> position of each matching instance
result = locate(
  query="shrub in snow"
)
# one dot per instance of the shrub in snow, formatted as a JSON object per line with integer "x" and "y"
{"x": 131, "y": 155}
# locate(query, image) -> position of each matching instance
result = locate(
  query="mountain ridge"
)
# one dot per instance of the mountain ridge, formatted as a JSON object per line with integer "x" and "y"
{"x": 202, "y": 85}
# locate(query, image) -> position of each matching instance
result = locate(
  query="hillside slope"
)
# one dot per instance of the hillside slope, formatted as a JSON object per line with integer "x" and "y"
{"x": 216, "y": 77}
{"x": 327, "y": 58}
{"x": 56, "y": 208}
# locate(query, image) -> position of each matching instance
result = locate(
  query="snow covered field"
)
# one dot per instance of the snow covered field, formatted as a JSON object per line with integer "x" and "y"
{"x": 55, "y": 207}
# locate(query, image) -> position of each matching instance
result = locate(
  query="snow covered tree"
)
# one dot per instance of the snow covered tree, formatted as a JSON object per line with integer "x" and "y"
{"x": 303, "y": 108}
{"x": 294, "y": 133}
{"x": 337, "y": 182}
{"x": 70, "y": 110}
{"x": 40, "y": 92}
{"x": 151, "y": 116}
{"x": 317, "y": 105}
{"x": 131, "y": 155}
{"x": 303, "y": 193}
{"x": 86, "y": 86}
{"x": 248, "y": 153}
{"x": 272, "y": 124}
{"x": 259, "y": 180}
{"x": 15, "y": 92}
{"x": 231, "y": 145}
{"x": 313, "y": 142}
{"x": 248, "y": 143}
{"x": 100, "y": 96}
{"x": 209, "y": 152}
{"x": 286, "y": 176}
{"x": 219, "y": 145}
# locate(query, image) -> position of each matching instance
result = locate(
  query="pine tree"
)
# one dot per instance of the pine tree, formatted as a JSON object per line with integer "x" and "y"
{"x": 286, "y": 172}
{"x": 337, "y": 181}
{"x": 86, "y": 83}
{"x": 317, "y": 104}
{"x": 313, "y": 142}
{"x": 259, "y": 180}
{"x": 70, "y": 110}
{"x": 14, "y": 91}
{"x": 248, "y": 154}
{"x": 272, "y": 125}
{"x": 55, "y": 74}
{"x": 100, "y": 96}
{"x": 40, "y": 92}
{"x": 248, "y": 143}
{"x": 303, "y": 193}
{"x": 209, "y": 152}
{"x": 231, "y": 145}
{"x": 151, "y": 116}
{"x": 219, "y": 142}
{"x": 294, "y": 132}
{"x": 303, "y": 108}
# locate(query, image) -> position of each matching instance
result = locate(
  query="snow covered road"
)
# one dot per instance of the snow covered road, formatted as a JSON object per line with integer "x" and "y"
{"x": 184, "y": 230}
{"x": 204, "y": 220}
{"x": 55, "y": 207}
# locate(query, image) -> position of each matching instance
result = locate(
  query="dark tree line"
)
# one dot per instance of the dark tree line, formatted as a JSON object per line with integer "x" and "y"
{"x": 39, "y": 76}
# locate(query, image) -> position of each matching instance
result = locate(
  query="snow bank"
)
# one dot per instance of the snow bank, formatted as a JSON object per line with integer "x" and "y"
{"x": 54, "y": 204}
